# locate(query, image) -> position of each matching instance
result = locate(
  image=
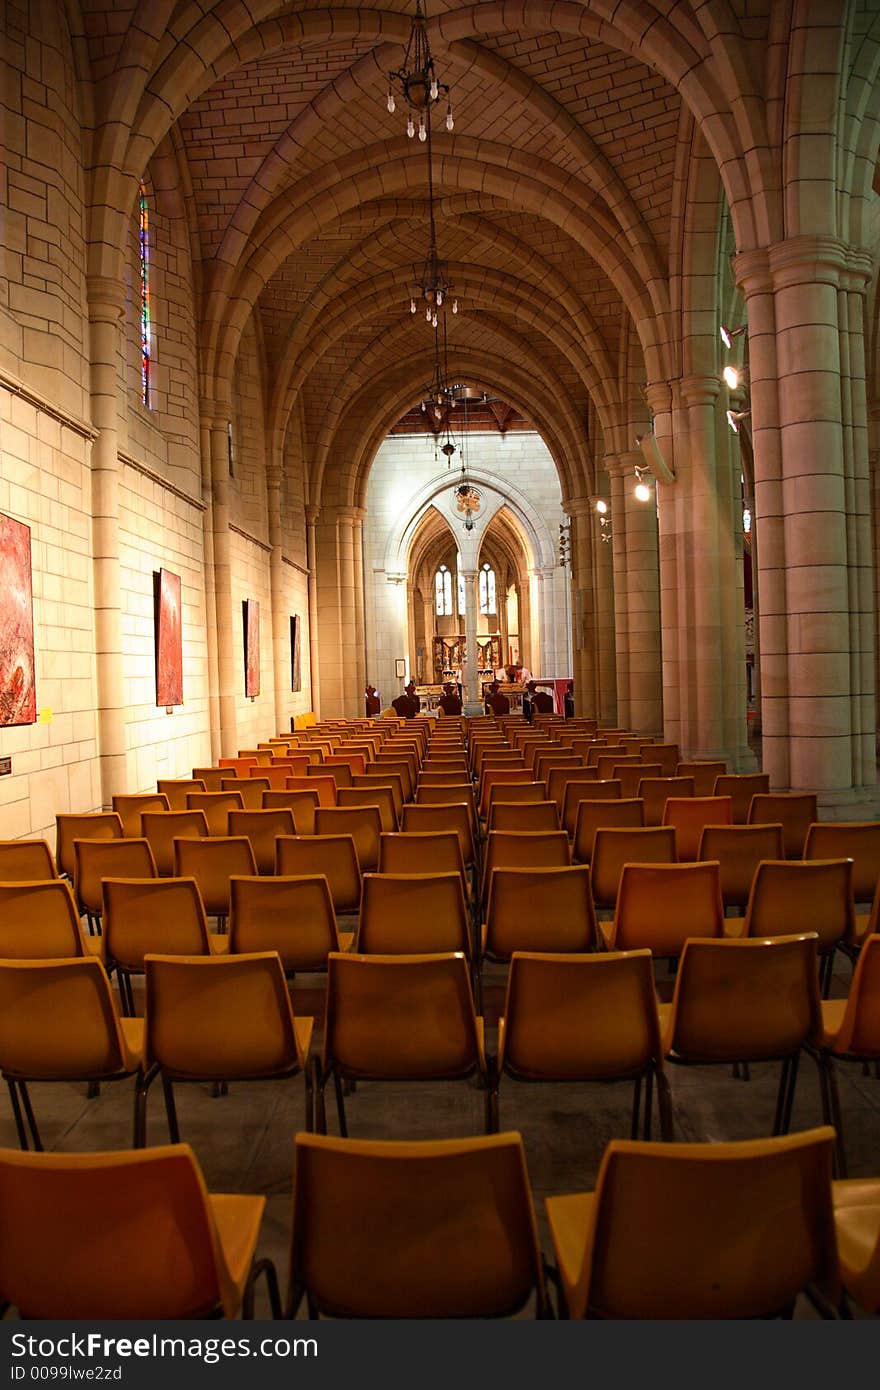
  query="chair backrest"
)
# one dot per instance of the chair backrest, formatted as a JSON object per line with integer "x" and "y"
{"x": 523, "y": 793}
{"x": 162, "y": 828}
{"x": 333, "y": 856}
{"x": 580, "y": 1017}
{"x": 262, "y": 828}
{"x": 666, "y": 754}
{"x": 362, "y": 823}
{"x": 130, "y": 808}
{"x": 291, "y": 915}
{"x": 406, "y": 768}
{"x": 741, "y": 787}
{"x": 540, "y": 910}
{"x": 681, "y": 1230}
{"x": 58, "y": 1021}
{"x": 378, "y": 795}
{"x": 794, "y": 896}
{"x": 614, "y": 846}
{"x": 448, "y": 796}
{"x": 443, "y": 777}
{"x": 745, "y": 1000}
{"x": 177, "y": 789}
{"x": 153, "y": 1249}
{"x": 26, "y": 859}
{"x": 656, "y": 791}
{"x": 660, "y": 905}
{"x": 164, "y": 915}
{"x": 324, "y": 786}
{"x": 859, "y": 1032}
{"x": 556, "y": 757}
{"x": 527, "y": 849}
{"x": 38, "y": 920}
{"x": 375, "y": 1002}
{"x": 219, "y": 1017}
{"x": 239, "y": 766}
{"x": 523, "y": 815}
{"x": 405, "y": 914}
{"x": 365, "y": 1213}
{"x": 689, "y": 815}
{"x": 355, "y": 762}
{"x": 611, "y": 814}
{"x": 456, "y": 817}
{"x": 607, "y": 764}
{"x": 739, "y": 850}
{"x": 213, "y": 777}
{"x": 421, "y": 852}
{"x": 95, "y": 860}
{"x": 212, "y": 862}
{"x": 97, "y": 825}
{"x": 498, "y": 776}
{"x": 855, "y": 840}
{"x": 251, "y": 790}
{"x": 794, "y": 811}
{"x": 631, "y": 775}
{"x": 304, "y": 806}
{"x": 559, "y": 778}
{"x": 704, "y": 774}
{"x": 602, "y": 749}
{"x": 216, "y": 806}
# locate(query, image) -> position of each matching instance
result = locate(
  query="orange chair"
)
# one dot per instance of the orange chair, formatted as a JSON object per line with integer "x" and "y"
{"x": 560, "y": 778}
{"x": 539, "y": 910}
{"x": 513, "y": 849}
{"x": 577, "y": 791}
{"x": 656, "y": 791}
{"x": 855, "y": 840}
{"x": 98, "y": 825}
{"x": 739, "y": 849}
{"x": 292, "y": 915}
{"x": 39, "y": 921}
{"x": 362, "y": 823}
{"x": 216, "y": 807}
{"x": 610, "y": 764}
{"x": 704, "y": 774}
{"x": 164, "y": 915}
{"x": 850, "y": 1033}
{"x": 409, "y": 914}
{"x": 689, "y": 815}
{"x": 262, "y": 828}
{"x": 324, "y": 786}
{"x": 304, "y": 806}
{"x": 212, "y": 777}
{"x": 238, "y": 766}
{"x": 162, "y": 828}
{"x": 378, "y": 795}
{"x": 176, "y": 789}
{"x": 611, "y": 814}
{"x": 793, "y": 896}
{"x": 129, "y": 808}
{"x": 422, "y": 852}
{"x": 741, "y": 787}
{"x": 26, "y": 859}
{"x": 616, "y": 846}
{"x": 523, "y": 815}
{"x": 794, "y": 811}
{"x": 96, "y": 860}
{"x": 250, "y": 789}
{"x": 631, "y": 775}
{"x": 660, "y": 905}
{"x": 333, "y": 856}
{"x": 666, "y": 754}
{"x": 211, "y": 863}
{"x": 456, "y": 817}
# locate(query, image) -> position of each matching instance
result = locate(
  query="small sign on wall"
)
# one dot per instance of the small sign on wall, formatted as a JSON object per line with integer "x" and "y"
{"x": 295, "y": 658}
{"x": 251, "y": 625}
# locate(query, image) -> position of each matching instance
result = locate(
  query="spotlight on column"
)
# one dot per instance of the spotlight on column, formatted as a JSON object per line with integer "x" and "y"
{"x": 735, "y": 418}
{"x": 728, "y": 334}
{"x": 641, "y": 490}
{"x": 734, "y": 377}
{"x": 602, "y": 506}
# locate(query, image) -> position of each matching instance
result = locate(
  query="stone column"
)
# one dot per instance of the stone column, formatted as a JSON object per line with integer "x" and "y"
{"x": 619, "y": 591}
{"x": 280, "y": 617}
{"x": 606, "y": 648}
{"x": 312, "y": 514}
{"x": 811, "y": 507}
{"x": 361, "y": 636}
{"x": 549, "y": 652}
{"x": 470, "y": 667}
{"x": 346, "y": 581}
{"x": 584, "y": 645}
{"x": 229, "y": 672}
{"x": 210, "y": 595}
{"x": 429, "y": 609}
{"x": 503, "y": 627}
{"x": 106, "y": 306}
{"x": 636, "y": 599}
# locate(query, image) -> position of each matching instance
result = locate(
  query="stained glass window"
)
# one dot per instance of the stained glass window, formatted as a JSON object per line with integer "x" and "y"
{"x": 443, "y": 592}
{"x": 488, "y": 601}
{"x": 146, "y": 327}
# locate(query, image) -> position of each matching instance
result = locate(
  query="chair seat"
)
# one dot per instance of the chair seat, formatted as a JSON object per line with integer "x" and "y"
{"x": 570, "y": 1219}
{"x": 833, "y": 1011}
{"x": 238, "y": 1220}
{"x": 734, "y": 928}
{"x": 133, "y": 1032}
{"x": 862, "y": 928}
{"x": 218, "y": 943}
{"x": 303, "y": 1028}
{"x": 857, "y": 1219}
{"x": 94, "y": 946}
{"x": 346, "y": 940}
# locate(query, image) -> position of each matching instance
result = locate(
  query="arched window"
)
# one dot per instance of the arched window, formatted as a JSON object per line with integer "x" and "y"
{"x": 488, "y": 602}
{"x": 443, "y": 592}
{"x": 461, "y": 600}
{"x": 146, "y": 325}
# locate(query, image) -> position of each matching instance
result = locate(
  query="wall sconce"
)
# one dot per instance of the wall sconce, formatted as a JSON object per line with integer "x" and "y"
{"x": 728, "y": 334}
{"x": 641, "y": 491}
{"x": 734, "y": 377}
{"x": 735, "y": 417}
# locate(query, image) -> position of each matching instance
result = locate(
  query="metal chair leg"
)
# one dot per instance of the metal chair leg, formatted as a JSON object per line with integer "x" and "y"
{"x": 780, "y": 1097}
{"x": 267, "y": 1268}
{"x": 142, "y": 1085}
{"x": 340, "y": 1104}
{"x": 32, "y": 1123}
{"x": 16, "y": 1111}
{"x": 649, "y": 1103}
{"x": 789, "y": 1098}
{"x": 308, "y": 1075}
{"x": 636, "y": 1109}
{"x": 664, "y": 1106}
{"x": 170, "y": 1110}
{"x": 836, "y": 1118}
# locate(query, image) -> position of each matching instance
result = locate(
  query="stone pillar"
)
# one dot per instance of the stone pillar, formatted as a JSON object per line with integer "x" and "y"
{"x": 470, "y": 667}
{"x": 503, "y": 625}
{"x": 583, "y": 607}
{"x": 429, "y": 609}
{"x": 606, "y": 648}
{"x": 360, "y": 626}
{"x": 811, "y": 504}
{"x": 106, "y": 306}
{"x": 312, "y": 513}
{"x": 636, "y": 599}
{"x": 280, "y": 617}
{"x": 229, "y": 673}
{"x": 346, "y": 581}
{"x": 536, "y": 618}
{"x": 210, "y": 593}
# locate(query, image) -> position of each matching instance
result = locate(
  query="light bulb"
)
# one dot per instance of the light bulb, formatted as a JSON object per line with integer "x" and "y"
{"x": 428, "y": 314}
{"x": 601, "y": 507}
{"x": 455, "y": 306}
{"x": 412, "y": 306}
{"x": 439, "y": 298}
{"x": 410, "y": 128}
{"x": 434, "y": 320}
{"x": 725, "y": 336}
{"x": 435, "y": 89}
{"x": 731, "y": 376}
{"x": 450, "y": 123}
{"x": 390, "y": 103}
{"x": 423, "y": 407}
{"x": 643, "y": 492}
{"x": 732, "y": 421}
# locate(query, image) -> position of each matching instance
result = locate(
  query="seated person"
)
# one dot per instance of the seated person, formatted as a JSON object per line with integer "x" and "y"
{"x": 449, "y": 702}
{"x": 542, "y": 700}
{"x": 372, "y": 700}
{"x": 496, "y": 703}
{"x": 568, "y": 700}
{"x": 407, "y": 705}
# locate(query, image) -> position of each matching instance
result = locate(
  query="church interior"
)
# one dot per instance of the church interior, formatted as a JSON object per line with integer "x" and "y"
{"x": 439, "y": 607}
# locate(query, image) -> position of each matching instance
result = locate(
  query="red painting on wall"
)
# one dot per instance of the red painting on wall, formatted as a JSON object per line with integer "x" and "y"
{"x": 251, "y": 617}
{"x": 169, "y": 640}
{"x": 18, "y": 694}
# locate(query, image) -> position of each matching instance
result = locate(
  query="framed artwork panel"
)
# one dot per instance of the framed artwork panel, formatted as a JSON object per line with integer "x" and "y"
{"x": 295, "y": 657}
{"x": 18, "y": 693}
{"x": 169, "y": 639}
{"x": 251, "y": 623}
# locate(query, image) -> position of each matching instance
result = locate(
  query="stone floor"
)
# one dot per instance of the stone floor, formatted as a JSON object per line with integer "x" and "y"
{"x": 244, "y": 1141}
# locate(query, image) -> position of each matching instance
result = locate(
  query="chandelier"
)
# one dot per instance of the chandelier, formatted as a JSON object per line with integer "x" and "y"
{"x": 417, "y": 85}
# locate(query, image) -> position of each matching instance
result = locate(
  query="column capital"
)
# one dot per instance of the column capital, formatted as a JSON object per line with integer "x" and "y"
{"x": 216, "y": 414}
{"x": 578, "y": 506}
{"x": 700, "y": 390}
{"x": 658, "y": 395}
{"x": 618, "y": 465}
{"x": 106, "y": 298}
{"x": 817, "y": 259}
{"x": 312, "y": 513}
{"x": 273, "y": 476}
